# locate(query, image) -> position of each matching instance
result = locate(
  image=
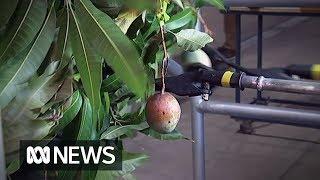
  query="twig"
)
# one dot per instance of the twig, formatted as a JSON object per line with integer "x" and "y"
{"x": 164, "y": 61}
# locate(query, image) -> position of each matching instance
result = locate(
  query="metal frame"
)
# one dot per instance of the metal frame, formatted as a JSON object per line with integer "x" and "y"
{"x": 261, "y": 113}
{"x": 279, "y": 115}
{"x": 287, "y": 116}
{"x": 198, "y": 146}
{"x": 260, "y": 33}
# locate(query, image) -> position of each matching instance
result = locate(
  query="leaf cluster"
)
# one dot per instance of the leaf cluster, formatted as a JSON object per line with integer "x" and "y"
{"x": 83, "y": 70}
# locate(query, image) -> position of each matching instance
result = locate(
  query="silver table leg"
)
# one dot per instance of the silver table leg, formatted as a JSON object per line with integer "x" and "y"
{"x": 198, "y": 146}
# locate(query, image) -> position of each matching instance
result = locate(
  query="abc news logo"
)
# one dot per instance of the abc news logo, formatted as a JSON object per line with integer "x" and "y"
{"x": 66, "y": 155}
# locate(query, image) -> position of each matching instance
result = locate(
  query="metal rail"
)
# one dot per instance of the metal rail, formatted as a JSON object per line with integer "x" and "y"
{"x": 279, "y": 85}
{"x": 279, "y": 115}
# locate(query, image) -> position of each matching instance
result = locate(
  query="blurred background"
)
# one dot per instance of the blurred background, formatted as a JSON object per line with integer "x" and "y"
{"x": 234, "y": 156}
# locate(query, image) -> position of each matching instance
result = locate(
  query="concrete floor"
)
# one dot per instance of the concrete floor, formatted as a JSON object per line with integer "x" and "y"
{"x": 233, "y": 156}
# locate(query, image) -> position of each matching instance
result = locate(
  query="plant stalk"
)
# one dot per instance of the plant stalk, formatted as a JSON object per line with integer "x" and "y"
{"x": 164, "y": 61}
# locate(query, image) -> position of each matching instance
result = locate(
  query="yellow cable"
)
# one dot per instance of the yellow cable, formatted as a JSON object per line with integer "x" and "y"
{"x": 315, "y": 71}
{"x": 225, "y": 80}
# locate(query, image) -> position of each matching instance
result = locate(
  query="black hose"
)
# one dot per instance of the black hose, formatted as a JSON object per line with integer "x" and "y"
{"x": 212, "y": 53}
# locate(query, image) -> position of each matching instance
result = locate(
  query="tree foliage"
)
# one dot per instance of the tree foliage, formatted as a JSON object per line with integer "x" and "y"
{"x": 89, "y": 66}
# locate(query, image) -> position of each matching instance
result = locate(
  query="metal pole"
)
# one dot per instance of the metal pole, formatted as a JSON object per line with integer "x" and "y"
{"x": 197, "y": 126}
{"x": 259, "y": 49}
{"x": 238, "y": 51}
{"x": 198, "y": 147}
{"x": 279, "y": 85}
{"x": 262, "y": 113}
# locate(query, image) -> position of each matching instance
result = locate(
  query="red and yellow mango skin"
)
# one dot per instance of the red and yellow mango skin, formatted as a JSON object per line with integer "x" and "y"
{"x": 163, "y": 112}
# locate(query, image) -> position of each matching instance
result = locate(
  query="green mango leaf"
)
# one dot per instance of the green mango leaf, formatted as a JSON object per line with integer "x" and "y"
{"x": 31, "y": 96}
{"x": 7, "y": 8}
{"x": 64, "y": 51}
{"x": 13, "y": 166}
{"x": 174, "y": 135}
{"x": 87, "y": 62}
{"x": 111, "y": 83}
{"x": 130, "y": 161}
{"x": 109, "y": 41}
{"x": 88, "y": 174}
{"x": 181, "y": 19}
{"x": 110, "y": 7}
{"x": 191, "y": 39}
{"x": 154, "y": 27}
{"x": 66, "y": 174}
{"x": 85, "y": 128}
{"x": 18, "y": 70}
{"x": 69, "y": 114}
{"x": 65, "y": 91}
{"x": 216, "y": 3}
{"x": 63, "y": 94}
{"x": 117, "y": 131}
{"x": 107, "y": 102}
{"x": 179, "y": 3}
{"x": 89, "y": 65}
{"x": 31, "y": 14}
{"x": 20, "y": 117}
{"x": 126, "y": 18}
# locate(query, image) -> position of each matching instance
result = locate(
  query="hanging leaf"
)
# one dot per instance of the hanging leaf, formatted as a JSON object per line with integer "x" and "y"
{"x": 107, "y": 102}
{"x": 89, "y": 65}
{"x": 154, "y": 27}
{"x": 31, "y": 14}
{"x": 7, "y": 8}
{"x": 110, "y": 7}
{"x": 66, "y": 174}
{"x": 85, "y": 128}
{"x": 191, "y": 39}
{"x": 65, "y": 91}
{"x": 20, "y": 116}
{"x": 87, "y": 62}
{"x": 174, "y": 135}
{"x": 110, "y": 42}
{"x": 112, "y": 83}
{"x": 69, "y": 114}
{"x": 117, "y": 131}
{"x": 19, "y": 69}
{"x": 13, "y": 166}
{"x": 64, "y": 52}
{"x": 126, "y": 18}
{"x": 130, "y": 161}
{"x": 88, "y": 174}
{"x": 178, "y": 2}
{"x": 216, "y": 3}
{"x": 181, "y": 19}
{"x": 63, "y": 94}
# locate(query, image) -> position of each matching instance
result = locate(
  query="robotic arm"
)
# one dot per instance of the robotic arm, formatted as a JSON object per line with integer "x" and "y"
{"x": 201, "y": 80}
